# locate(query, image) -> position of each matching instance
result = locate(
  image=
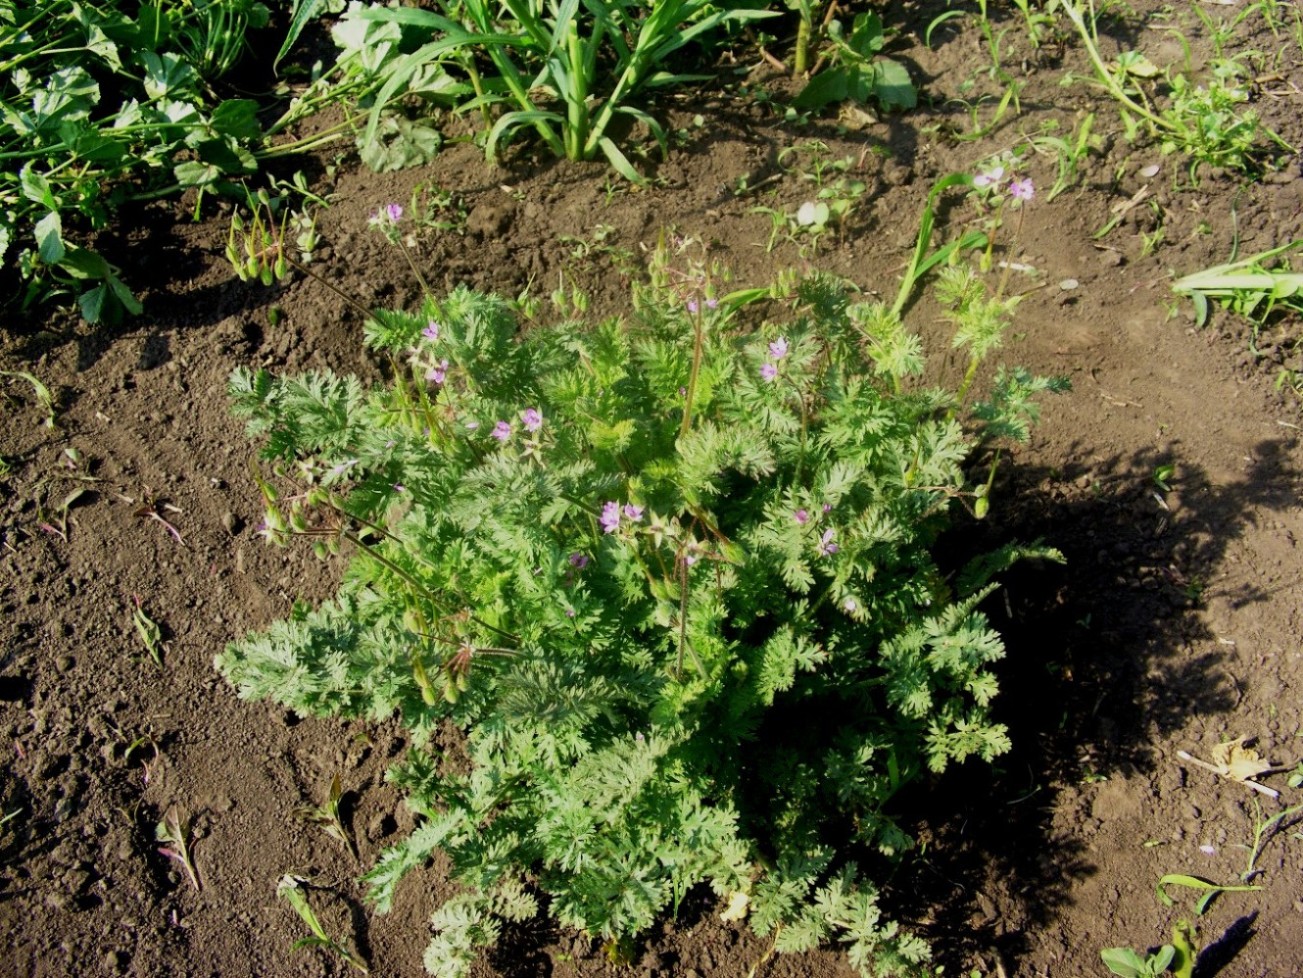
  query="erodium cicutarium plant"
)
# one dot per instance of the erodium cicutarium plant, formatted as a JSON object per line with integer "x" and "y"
{"x": 670, "y": 575}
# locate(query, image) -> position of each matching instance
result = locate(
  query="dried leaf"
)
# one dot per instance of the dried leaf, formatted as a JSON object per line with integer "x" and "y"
{"x": 1236, "y": 760}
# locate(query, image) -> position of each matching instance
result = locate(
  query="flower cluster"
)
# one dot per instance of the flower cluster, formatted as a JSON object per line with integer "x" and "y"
{"x": 777, "y": 352}
{"x": 612, "y": 513}
{"x": 992, "y": 188}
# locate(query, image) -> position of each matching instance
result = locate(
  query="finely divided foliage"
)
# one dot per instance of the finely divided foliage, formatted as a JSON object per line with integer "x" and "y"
{"x": 684, "y": 609}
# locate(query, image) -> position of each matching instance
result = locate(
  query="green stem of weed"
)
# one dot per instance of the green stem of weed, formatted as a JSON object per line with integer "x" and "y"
{"x": 698, "y": 349}
{"x": 1073, "y": 9}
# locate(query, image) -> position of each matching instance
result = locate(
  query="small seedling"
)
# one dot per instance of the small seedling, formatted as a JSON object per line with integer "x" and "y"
{"x": 1127, "y": 963}
{"x": 1177, "y": 957}
{"x": 175, "y": 836}
{"x": 56, "y": 523}
{"x": 43, "y": 395}
{"x": 290, "y": 889}
{"x": 1296, "y": 776}
{"x": 150, "y": 511}
{"x": 328, "y": 817}
{"x": 1162, "y": 477}
{"x": 151, "y": 634}
{"x": 1263, "y": 832}
{"x": 1252, "y": 287}
{"x": 1211, "y": 891}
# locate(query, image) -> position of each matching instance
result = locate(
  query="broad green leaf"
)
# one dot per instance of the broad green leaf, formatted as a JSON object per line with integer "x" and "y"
{"x": 825, "y": 88}
{"x": 69, "y": 94}
{"x": 893, "y": 86}
{"x": 193, "y": 173}
{"x": 49, "y": 238}
{"x": 124, "y": 295}
{"x": 1124, "y": 961}
{"x": 37, "y": 189}
{"x": 237, "y": 117}
{"x": 227, "y": 155}
{"x": 400, "y": 144}
{"x": 84, "y": 263}
{"x": 91, "y": 303}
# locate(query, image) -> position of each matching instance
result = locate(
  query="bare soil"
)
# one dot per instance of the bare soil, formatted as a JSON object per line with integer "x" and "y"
{"x": 1172, "y": 627}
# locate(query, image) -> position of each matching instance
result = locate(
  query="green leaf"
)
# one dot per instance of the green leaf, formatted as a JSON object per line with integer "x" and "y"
{"x": 193, "y": 173}
{"x": 825, "y": 88}
{"x": 893, "y": 86}
{"x": 49, "y": 238}
{"x": 237, "y": 117}
{"x": 304, "y": 11}
{"x": 37, "y": 189}
{"x": 92, "y": 302}
{"x": 227, "y": 155}
{"x": 399, "y": 144}
{"x": 1124, "y": 961}
{"x": 84, "y": 263}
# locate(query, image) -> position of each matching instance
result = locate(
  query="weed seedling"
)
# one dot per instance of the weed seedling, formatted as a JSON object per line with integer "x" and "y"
{"x": 43, "y": 395}
{"x": 327, "y": 816}
{"x": 151, "y": 635}
{"x": 1264, "y": 830}
{"x": 1177, "y": 957}
{"x": 56, "y": 523}
{"x": 1252, "y": 287}
{"x": 290, "y": 889}
{"x": 1211, "y": 891}
{"x": 175, "y": 837}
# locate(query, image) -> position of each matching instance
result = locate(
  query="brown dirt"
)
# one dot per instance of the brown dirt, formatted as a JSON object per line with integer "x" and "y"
{"x": 1173, "y": 626}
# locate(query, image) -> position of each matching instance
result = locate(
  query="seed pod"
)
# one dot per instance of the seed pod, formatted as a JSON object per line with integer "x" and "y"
{"x": 463, "y": 680}
{"x": 981, "y": 506}
{"x": 450, "y": 692}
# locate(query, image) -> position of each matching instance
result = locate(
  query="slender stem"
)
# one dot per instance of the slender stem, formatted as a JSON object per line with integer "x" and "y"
{"x": 1073, "y": 9}
{"x": 698, "y": 347}
{"x": 362, "y": 310}
{"x": 1008, "y": 263}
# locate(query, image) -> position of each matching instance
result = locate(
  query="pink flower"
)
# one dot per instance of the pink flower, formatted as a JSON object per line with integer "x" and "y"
{"x": 531, "y": 419}
{"x": 578, "y": 560}
{"x": 501, "y": 431}
{"x": 802, "y": 516}
{"x": 692, "y": 306}
{"x": 712, "y": 303}
{"x": 437, "y": 374}
{"x": 826, "y": 546}
{"x": 610, "y": 518}
{"x": 768, "y": 371}
{"x": 778, "y": 348}
{"x": 990, "y": 178}
{"x": 431, "y": 331}
{"x": 633, "y": 512}
{"x": 1022, "y": 189}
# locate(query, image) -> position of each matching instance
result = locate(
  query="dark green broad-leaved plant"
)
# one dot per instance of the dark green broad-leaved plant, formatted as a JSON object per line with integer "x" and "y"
{"x": 672, "y": 577}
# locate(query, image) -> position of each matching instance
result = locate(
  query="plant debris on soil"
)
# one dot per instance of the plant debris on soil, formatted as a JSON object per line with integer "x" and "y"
{"x": 1169, "y": 478}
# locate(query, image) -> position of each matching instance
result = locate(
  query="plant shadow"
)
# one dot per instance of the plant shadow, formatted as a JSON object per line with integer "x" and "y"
{"x": 1106, "y": 653}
